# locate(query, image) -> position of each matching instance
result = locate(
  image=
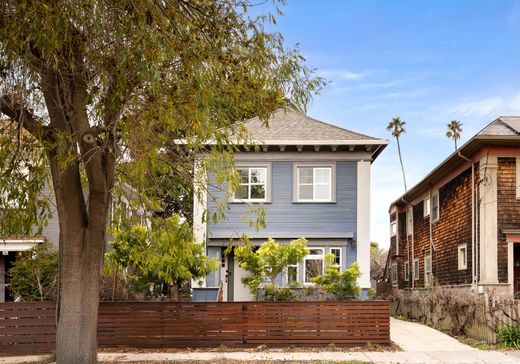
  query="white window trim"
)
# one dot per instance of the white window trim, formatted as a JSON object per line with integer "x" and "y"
{"x": 409, "y": 221}
{"x": 287, "y": 274}
{"x": 268, "y": 184}
{"x": 406, "y": 271}
{"x": 435, "y": 194}
{"x": 392, "y": 280}
{"x": 427, "y": 211}
{"x": 427, "y": 270}
{"x": 312, "y": 257}
{"x": 416, "y": 272}
{"x": 296, "y": 184}
{"x": 464, "y": 264}
{"x": 340, "y": 256}
{"x": 392, "y": 232}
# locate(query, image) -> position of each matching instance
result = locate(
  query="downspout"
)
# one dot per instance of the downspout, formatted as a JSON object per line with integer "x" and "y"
{"x": 413, "y": 242}
{"x": 432, "y": 245}
{"x": 474, "y": 248}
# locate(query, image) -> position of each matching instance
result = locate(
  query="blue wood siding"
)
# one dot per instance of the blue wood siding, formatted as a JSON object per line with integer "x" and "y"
{"x": 287, "y": 219}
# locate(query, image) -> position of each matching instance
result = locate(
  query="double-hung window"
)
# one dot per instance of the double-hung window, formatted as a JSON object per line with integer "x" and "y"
{"x": 314, "y": 183}
{"x": 416, "y": 269}
{"x": 435, "y": 206}
{"x": 393, "y": 228}
{"x": 313, "y": 264}
{"x": 292, "y": 274}
{"x": 253, "y": 184}
{"x": 426, "y": 209}
{"x": 393, "y": 274}
{"x": 428, "y": 277}
{"x": 406, "y": 270}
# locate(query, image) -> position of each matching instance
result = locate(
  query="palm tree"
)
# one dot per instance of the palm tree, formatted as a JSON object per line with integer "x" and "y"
{"x": 454, "y": 130}
{"x": 396, "y": 126}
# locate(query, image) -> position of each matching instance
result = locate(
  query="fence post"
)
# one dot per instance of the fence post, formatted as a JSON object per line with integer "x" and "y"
{"x": 243, "y": 320}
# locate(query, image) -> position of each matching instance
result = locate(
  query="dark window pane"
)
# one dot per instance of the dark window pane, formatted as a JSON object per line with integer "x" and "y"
{"x": 241, "y": 192}
{"x": 258, "y": 191}
{"x": 313, "y": 268}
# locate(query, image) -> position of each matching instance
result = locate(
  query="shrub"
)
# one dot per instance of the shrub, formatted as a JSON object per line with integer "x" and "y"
{"x": 509, "y": 336}
{"x": 34, "y": 276}
{"x": 342, "y": 285}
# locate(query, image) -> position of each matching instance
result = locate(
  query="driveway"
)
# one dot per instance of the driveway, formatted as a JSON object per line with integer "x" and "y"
{"x": 422, "y": 344}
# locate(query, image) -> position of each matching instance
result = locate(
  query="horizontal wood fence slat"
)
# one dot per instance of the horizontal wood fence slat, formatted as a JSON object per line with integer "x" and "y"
{"x": 29, "y": 327}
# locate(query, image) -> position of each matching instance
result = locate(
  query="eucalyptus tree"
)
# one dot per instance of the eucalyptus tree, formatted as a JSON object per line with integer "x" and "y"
{"x": 454, "y": 130}
{"x": 396, "y": 127}
{"x": 96, "y": 84}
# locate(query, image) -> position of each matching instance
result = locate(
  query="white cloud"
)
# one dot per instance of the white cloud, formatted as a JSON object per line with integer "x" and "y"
{"x": 343, "y": 74}
{"x": 489, "y": 107}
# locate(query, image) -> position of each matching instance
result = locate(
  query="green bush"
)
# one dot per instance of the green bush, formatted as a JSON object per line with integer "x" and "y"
{"x": 342, "y": 285}
{"x": 509, "y": 336}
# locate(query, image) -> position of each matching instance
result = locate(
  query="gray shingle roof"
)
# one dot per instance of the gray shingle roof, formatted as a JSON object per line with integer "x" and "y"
{"x": 293, "y": 125}
{"x": 504, "y": 125}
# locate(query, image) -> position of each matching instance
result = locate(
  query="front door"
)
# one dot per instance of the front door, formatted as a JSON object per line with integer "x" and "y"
{"x": 230, "y": 276}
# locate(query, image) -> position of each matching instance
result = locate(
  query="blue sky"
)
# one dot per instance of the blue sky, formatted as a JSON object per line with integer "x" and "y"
{"x": 427, "y": 62}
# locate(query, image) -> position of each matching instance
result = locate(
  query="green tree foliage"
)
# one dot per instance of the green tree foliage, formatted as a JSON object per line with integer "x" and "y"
{"x": 396, "y": 127}
{"x": 454, "y": 131}
{"x": 104, "y": 87}
{"x": 166, "y": 254}
{"x": 266, "y": 263}
{"x": 342, "y": 285}
{"x": 34, "y": 276}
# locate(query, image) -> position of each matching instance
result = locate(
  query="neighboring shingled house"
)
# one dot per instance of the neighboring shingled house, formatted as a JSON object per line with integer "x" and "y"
{"x": 313, "y": 180}
{"x": 460, "y": 225}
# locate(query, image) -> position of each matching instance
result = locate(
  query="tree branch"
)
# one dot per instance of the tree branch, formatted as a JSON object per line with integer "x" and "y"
{"x": 24, "y": 117}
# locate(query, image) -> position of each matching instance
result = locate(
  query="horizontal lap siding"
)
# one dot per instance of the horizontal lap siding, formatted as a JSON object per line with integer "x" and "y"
{"x": 288, "y": 219}
{"x": 29, "y": 327}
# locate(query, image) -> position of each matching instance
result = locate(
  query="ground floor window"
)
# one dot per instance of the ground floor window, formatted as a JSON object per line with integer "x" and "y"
{"x": 337, "y": 256}
{"x": 313, "y": 264}
{"x": 463, "y": 256}
{"x": 393, "y": 273}
{"x": 428, "y": 277}
{"x": 416, "y": 269}
{"x": 406, "y": 270}
{"x": 292, "y": 274}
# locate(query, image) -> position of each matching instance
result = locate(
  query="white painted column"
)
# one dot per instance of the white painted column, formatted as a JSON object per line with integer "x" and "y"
{"x": 363, "y": 222}
{"x": 200, "y": 200}
{"x": 488, "y": 239}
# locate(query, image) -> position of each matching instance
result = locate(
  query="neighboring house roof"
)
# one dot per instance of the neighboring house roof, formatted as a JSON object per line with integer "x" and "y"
{"x": 293, "y": 126}
{"x": 503, "y": 131}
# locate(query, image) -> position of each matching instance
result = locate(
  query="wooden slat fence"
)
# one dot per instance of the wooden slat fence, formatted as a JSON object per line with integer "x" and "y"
{"x": 30, "y": 327}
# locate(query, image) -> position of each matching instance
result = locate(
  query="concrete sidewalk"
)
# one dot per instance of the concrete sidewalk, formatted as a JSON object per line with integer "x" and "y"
{"x": 473, "y": 356}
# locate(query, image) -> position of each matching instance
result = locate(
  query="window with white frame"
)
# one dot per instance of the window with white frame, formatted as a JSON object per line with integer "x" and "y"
{"x": 462, "y": 256}
{"x": 406, "y": 270}
{"x": 435, "y": 206}
{"x": 292, "y": 274}
{"x": 312, "y": 264}
{"x": 314, "y": 184}
{"x": 393, "y": 228}
{"x": 426, "y": 205}
{"x": 253, "y": 184}
{"x": 416, "y": 269}
{"x": 337, "y": 256}
{"x": 428, "y": 278}
{"x": 393, "y": 273}
{"x": 409, "y": 221}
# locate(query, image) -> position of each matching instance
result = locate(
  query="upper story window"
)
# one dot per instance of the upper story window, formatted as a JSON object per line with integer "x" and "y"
{"x": 435, "y": 206}
{"x": 393, "y": 228}
{"x": 314, "y": 183}
{"x": 409, "y": 221}
{"x": 253, "y": 184}
{"x": 427, "y": 207}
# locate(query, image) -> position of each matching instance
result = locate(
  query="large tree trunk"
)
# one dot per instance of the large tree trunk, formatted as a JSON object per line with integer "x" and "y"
{"x": 82, "y": 233}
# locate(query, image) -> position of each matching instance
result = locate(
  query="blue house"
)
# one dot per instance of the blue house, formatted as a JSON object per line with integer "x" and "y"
{"x": 312, "y": 180}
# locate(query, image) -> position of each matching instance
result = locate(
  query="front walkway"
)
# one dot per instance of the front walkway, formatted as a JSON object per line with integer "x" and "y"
{"x": 420, "y": 344}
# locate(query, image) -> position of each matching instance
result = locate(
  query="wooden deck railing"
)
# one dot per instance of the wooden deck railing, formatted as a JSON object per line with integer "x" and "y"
{"x": 30, "y": 327}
